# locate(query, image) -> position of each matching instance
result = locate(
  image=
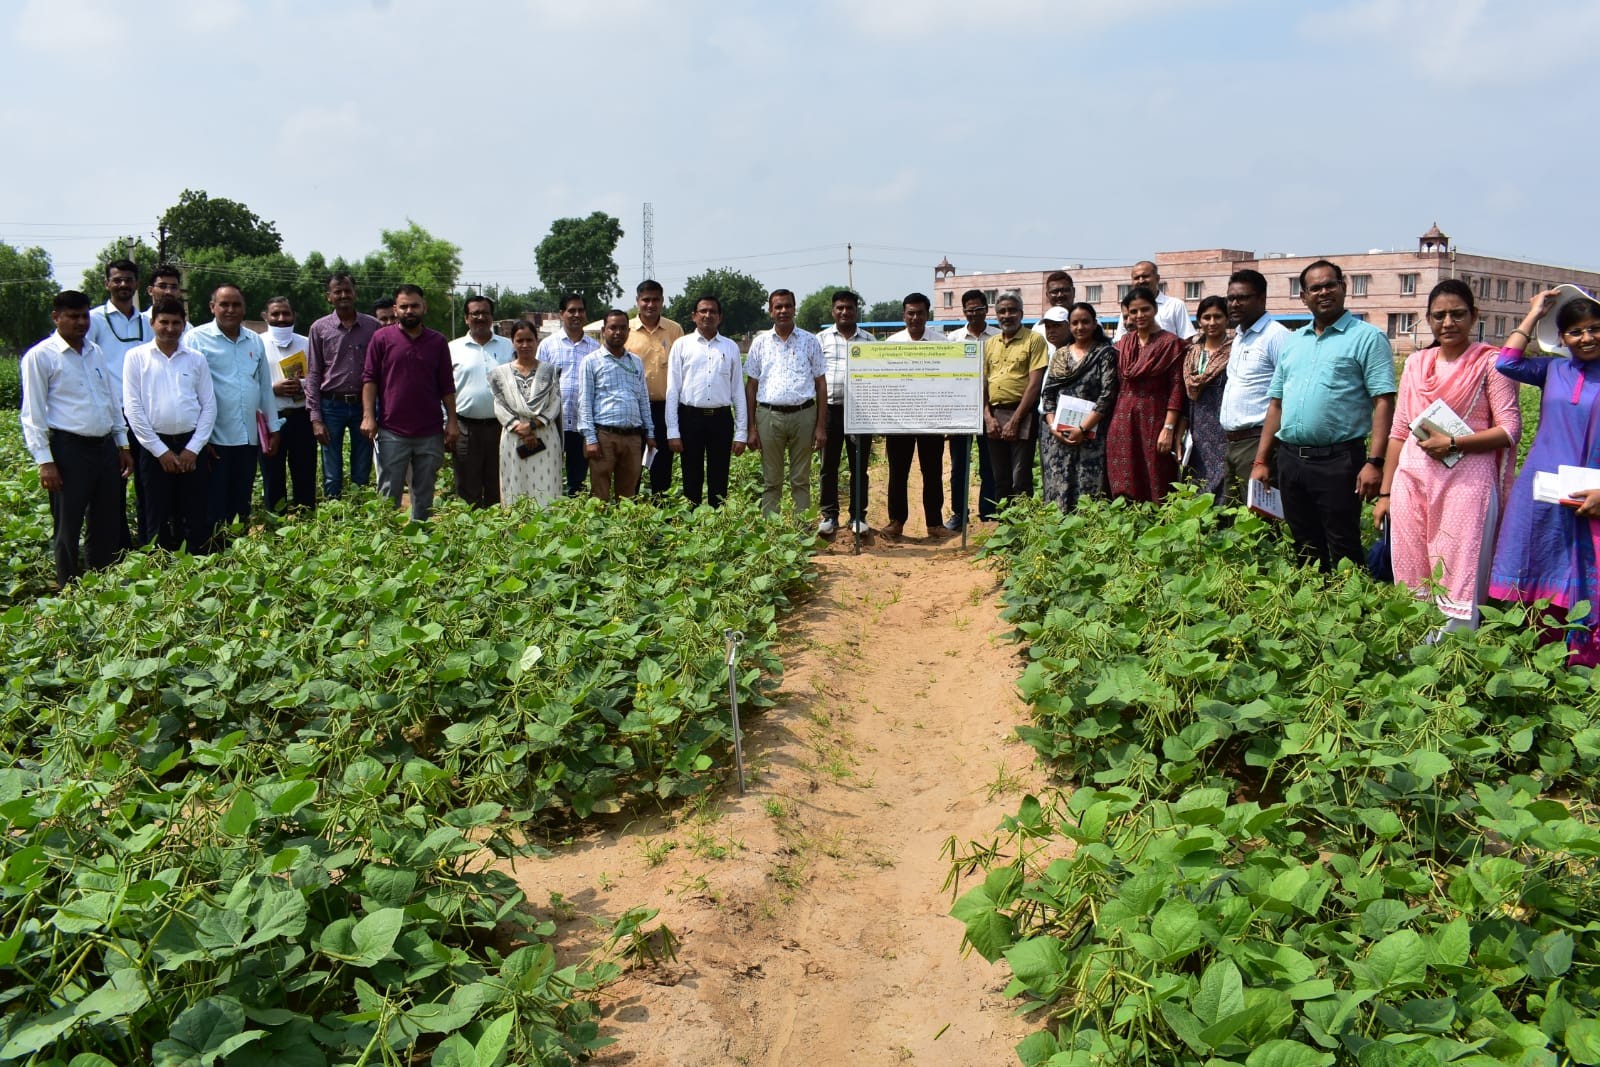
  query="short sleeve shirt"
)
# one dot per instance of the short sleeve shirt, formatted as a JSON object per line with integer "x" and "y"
{"x": 1327, "y": 382}
{"x": 1008, "y": 364}
{"x": 786, "y": 370}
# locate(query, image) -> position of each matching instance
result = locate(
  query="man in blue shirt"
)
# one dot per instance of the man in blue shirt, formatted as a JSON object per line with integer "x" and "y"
{"x": 1333, "y": 389}
{"x": 614, "y": 412}
{"x": 242, "y": 382}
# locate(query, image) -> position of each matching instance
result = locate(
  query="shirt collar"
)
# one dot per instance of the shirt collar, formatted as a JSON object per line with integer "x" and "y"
{"x": 1339, "y": 325}
{"x": 111, "y": 309}
{"x": 59, "y": 344}
{"x": 1258, "y": 325}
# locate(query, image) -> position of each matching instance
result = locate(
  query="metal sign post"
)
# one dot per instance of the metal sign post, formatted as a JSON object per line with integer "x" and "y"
{"x": 735, "y": 638}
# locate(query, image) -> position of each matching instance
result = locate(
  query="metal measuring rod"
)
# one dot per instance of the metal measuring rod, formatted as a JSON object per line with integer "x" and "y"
{"x": 735, "y": 638}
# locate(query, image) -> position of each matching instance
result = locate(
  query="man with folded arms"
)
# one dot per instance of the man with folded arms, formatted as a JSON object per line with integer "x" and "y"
{"x": 836, "y": 341}
{"x": 409, "y": 378}
{"x": 73, "y": 428}
{"x": 243, "y": 388}
{"x": 171, "y": 406}
{"x": 705, "y": 404}
{"x": 296, "y": 457}
{"x": 614, "y": 412}
{"x": 476, "y": 459}
{"x": 786, "y": 391}
{"x": 336, "y": 353}
{"x": 651, "y": 337}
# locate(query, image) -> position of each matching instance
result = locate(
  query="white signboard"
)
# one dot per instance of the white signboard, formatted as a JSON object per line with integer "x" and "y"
{"x": 918, "y": 387}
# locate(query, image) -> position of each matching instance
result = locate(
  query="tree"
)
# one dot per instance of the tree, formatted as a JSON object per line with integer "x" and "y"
{"x": 885, "y": 311}
{"x": 415, "y": 256}
{"x": 259, "y": 278}
{"x": 579, "y": 256}
{"x": 27, "y": 287}
{"x": 94, "y": 275}
{"x": 816, "y": 310}
{"x": 511, "y": 304}
{"x": 197, "y": 221}
{"x": 744, "y": 300}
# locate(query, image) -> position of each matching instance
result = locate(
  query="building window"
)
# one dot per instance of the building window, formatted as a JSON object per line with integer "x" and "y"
{"x": 990, "y": 294}
{"x": 1483, "y": 287}
{"x": 1522, "y": 291}
{"x": 1123, "y": 291}
{"x": 1091, "y": 294}
{"x": 1358, "y": 284}
{"x": 1502, "y": 288}
{"x": 1499, "y": 325}
{"x": 1294, "y": 287}
{"x": 949, "y": 298}
{"x": 1408, "y": 285}
{"x": 1402, "y": 323}
{"x": 1193, "y": 290}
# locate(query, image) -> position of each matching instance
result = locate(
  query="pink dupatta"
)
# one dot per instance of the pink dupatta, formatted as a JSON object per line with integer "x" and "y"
{"x": 1460, "y": 391}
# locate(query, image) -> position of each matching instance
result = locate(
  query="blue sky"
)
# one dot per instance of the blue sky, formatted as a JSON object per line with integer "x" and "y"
{"x": 768, "y": 135}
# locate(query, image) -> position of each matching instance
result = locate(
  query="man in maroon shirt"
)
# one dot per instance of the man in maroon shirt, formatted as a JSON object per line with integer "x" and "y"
{"x": 336, "y": 354}
{"x": 408, "y": 376}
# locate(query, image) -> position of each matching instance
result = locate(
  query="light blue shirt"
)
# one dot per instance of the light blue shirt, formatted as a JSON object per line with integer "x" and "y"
{"x": 1251, "y": 365}
{"x": 566, "y": 356}
{"x": 116, "y": 334}
{"x": 471, "y": 364}
{"x": 241, "y": 381}
{"x": 612, "y": 393}
{"x": 1327, "y": 382}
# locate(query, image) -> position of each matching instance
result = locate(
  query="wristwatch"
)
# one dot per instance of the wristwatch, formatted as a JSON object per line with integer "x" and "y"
{"x": 1376, "y": 461}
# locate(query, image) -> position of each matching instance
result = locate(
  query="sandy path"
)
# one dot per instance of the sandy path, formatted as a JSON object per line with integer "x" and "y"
{"x": 812, "y": 923}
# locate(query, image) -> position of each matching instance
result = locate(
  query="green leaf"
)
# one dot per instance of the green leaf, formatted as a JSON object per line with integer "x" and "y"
{"x": 240, "y": 816}
{"x": 201, "y": 1033}
{"x": 1177, "y": 927}
{"x": 1221, "y": 993}
{"x": 1397, "y": 962}
{"x": 276, "y": 913}
{"x": 1284, "y": 1053}
{"x": 373, "y": 937}
{"x": 89, "y": 1059}
{"x": 1550, "y": 956}
{"x": 455, "y": 1051}
{"x": 1039, "y": 964}
{"x": 1583, "y": 1041}
{"x": 496, "y": 1035}
{"x": 294, "y": 796}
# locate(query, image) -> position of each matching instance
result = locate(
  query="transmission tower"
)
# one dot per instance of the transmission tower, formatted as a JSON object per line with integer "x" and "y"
{"x": 649, "y": 241}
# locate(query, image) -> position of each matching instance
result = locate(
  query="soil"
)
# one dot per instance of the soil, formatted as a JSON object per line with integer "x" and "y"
{"x": 811, "y": 915}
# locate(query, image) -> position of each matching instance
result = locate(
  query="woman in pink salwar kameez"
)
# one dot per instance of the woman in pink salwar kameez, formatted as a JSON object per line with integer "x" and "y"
{"x": 1444, "y": 494}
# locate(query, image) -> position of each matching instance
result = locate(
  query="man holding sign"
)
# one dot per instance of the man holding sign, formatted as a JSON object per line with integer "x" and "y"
{"x": 929, "y": 447}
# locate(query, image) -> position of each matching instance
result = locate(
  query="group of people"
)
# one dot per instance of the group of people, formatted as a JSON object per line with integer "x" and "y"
{"x": 1232, "y": 397}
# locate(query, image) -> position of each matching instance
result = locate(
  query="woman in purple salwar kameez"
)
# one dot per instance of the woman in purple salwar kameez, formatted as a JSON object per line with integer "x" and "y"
{"x": 1548, "y": 551}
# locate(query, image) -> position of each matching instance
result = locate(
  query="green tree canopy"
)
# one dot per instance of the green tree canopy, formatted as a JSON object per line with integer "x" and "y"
{"x": 744, "y": 301}
{"x": 511, "y": 304}
{"x": 27, "y": 287}
{"x": 579, "y": 256}
{"x": 199, "y": 221}
{"x": 259, "y": 278}
{"x": 416, "y": 256}
{"x": 816, "y": 310}
{"x": 885, "y": 311}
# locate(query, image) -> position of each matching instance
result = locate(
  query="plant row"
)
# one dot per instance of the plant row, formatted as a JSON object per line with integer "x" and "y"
{"x": 1306, "y": 830}
{"x": 249, "y": 803}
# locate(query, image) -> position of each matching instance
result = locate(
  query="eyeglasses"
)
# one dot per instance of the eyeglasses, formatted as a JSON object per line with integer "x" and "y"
{"x": 1325, "y": 287}
{"x": 1450, "y": 315}
{"x": 1581, "y": 332}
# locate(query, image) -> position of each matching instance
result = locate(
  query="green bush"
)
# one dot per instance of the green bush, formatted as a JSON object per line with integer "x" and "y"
{"x": 1304, "y": 835}
{"x": 10, "y": 382}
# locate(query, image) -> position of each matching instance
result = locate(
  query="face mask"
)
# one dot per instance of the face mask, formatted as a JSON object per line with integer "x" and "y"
{"x": 281, "y": 335}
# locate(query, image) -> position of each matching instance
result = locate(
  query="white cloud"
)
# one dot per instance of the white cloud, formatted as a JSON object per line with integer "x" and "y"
{"x": 924, "y": 18}
{"x": 82, "y": 26}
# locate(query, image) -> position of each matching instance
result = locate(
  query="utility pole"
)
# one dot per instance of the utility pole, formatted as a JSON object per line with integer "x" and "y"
{"x": 649, "y": 266}
{"x": 161, "y": 243}
{"x": 850, "y": 265}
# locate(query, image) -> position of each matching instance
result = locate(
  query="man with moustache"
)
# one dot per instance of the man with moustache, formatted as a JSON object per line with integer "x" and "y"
{"x": 651, "y": 337}
{"x": 1172, "y": 314}
{"x": 116, "y": 328}
{"x": 406, "y": 381}
{"x": 836, "y": 341}
{"x": 975, "y": 309}
{"x": 336, "y": 354}
{"x": 565, "y": 351}
{"x": 1258, "y": 341}
{"x": 614, "y": 412}
{"x": 476, "y": 459}
{"x": 929, "y": 448}
{"x": 705, "y": 404}
{"x": 786, "y": 391}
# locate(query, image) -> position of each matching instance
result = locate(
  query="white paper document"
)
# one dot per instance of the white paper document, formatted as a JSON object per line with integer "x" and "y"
{"x": 1439, "y": 417}
{"x": 1263, "y": 500}
{"x": 1070, "y": 411}
{"x": 1562, "y": 485}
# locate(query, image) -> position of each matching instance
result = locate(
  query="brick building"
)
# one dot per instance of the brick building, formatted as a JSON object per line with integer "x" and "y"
{"x": 1388, "y": 289}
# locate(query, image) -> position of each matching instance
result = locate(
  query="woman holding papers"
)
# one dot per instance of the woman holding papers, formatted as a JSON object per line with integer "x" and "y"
{"x": 1450, "y": 461}
{"x": 527, "y": 403}
{"x": 1080, "y": 391}
{"x": 1205, "y": 372}
{"x": 1548, "y": 551}
{"x": 1142, "y": 441}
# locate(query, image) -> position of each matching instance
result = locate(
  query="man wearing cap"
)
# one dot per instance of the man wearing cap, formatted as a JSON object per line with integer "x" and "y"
{"x": 1013, "y": 369}
{"x": 1334, "y": 388}
{"x": 857, "y": 450}
{"x": 975, "y": 308}
{"x": 1172, "y": 314}
{"x": 929, "y": 447}
{"x": 651, "y": 337}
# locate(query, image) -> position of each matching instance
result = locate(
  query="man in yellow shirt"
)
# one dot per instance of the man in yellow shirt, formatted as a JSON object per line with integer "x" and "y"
{"x": 1013, "y": 371}
{"x": 650, "y": 337}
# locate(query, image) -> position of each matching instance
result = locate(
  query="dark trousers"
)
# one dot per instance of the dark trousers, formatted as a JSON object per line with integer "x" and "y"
{"x": 137, "y": 451}
{"x": 577, "y": 463}
{"x": 296, "y": 457}
{"x": 661, "y": 466}
{"x": 929, "y": 449}
{"x": 476, "y": 462}
{"x": 707, "y": 436}
{"x": 91, "y": 492}
{"x": 1012, "y": 461}
{"x": 857, "y": 451}
{"x": 231, "y": 485}
{"x": 178, "y": 505}
{"x": 1320, "y": 503}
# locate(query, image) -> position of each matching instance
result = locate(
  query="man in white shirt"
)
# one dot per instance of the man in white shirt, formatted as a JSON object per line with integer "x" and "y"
{"x": 786, "y": 390}
{"x": 296, "y": 457}
{"x": 116, "y": 327}
{"x": 928, "y": 447}
{"x": 565, "y": 352}
{"x": 73, "y": 428}
{"x": 707, "y": 423}
{"x": 476, "y": 460}
{"x": 1258, "y": 341}
{"x": 836, "y": 341}
{"x": 975, "y": 308}
{"x": 167, "y": 394}
{"x": 1172, "y": 314}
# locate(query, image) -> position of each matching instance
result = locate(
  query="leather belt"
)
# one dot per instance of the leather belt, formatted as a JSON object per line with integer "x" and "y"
{"x": 1249, "y": 433}
{"x": 626, "y": 430}
{"x": 1343, "y": 448}
{"x": 786, "y": 409}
